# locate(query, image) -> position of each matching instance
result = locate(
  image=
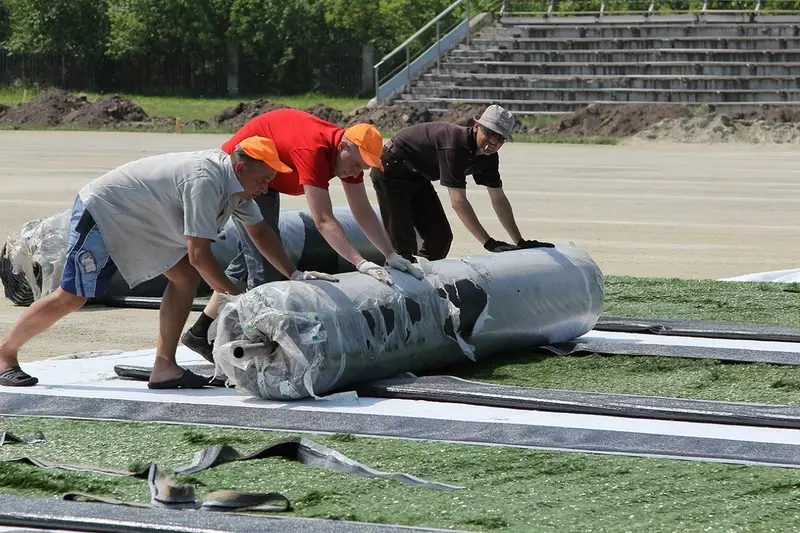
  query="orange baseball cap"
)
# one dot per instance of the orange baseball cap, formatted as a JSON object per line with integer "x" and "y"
{"x": 264, "y": 150}
{"x": 369, "y": 142}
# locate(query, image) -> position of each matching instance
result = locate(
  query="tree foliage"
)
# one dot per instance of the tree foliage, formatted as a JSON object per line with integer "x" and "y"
{"x": 75, "y": 27}
{"x": 282, "y": 37}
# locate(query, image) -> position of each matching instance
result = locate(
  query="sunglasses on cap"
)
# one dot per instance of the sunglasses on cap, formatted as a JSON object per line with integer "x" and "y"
{"x": 493, "y": 135}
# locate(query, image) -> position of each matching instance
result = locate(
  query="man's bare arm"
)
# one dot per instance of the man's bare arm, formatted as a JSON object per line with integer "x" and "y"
{"x": 505, "y": 214}
{"x": 271, "y": 247}
{"x": 201, "y": 258}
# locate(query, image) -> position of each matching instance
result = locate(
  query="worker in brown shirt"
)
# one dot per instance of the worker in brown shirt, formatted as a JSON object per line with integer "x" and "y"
{"x": 421, "y": 154}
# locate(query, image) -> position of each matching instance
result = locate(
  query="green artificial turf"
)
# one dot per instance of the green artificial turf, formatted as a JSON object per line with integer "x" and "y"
{"x": 507, "y": 489}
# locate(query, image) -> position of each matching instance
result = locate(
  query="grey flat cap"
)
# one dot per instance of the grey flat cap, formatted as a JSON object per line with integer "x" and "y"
{"x": 499, "y": 120}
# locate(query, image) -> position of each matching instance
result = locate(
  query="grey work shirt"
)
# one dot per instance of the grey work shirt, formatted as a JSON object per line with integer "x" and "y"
{"x": 145, "y": 209}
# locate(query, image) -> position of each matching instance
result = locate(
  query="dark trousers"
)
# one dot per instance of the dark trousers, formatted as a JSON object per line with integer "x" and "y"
{"x": 249, "y": 268}
{"x": 409, "y": 204}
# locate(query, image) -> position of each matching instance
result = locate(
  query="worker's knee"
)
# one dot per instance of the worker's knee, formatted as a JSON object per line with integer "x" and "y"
{"x": 183, "y": 275}
{"x": 437, "y": 246}
{"x": 66, "y": 301}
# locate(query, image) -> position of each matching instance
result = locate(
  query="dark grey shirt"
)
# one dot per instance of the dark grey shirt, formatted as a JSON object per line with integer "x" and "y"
{"x": 446, "y": 152}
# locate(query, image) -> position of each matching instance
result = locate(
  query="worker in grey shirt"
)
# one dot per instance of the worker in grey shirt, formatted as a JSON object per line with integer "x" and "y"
{"x": 158, "y": 215}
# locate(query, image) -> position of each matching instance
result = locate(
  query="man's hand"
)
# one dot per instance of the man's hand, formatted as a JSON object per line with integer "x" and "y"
{"x": 534, "y": 244}
{"x": 298, "y": 275}
{"x": 376, "y": 271}
{"x": 499, "y": 246}
{"x": 401, "y": 263}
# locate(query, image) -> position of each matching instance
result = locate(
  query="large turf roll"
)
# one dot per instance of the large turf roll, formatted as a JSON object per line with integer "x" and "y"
{"x": 288, "y": 340}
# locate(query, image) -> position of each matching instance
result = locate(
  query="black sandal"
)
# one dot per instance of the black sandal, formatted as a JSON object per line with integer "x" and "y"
{"x": 187, "y": 380}
{"x": 16, "y": 377}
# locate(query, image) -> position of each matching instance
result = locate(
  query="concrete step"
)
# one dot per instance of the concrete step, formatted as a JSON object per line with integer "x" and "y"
{"x": 683, "y": 19}
{"x": 659, "y": 54}
{"x": 666, "y": 68}
{"x": 640, "y": 43}
{"x": 670, "y": 83}
{"x": 545, "y": 107}
{"x": 653, "y": 30}
{"x": 620, "y": 94}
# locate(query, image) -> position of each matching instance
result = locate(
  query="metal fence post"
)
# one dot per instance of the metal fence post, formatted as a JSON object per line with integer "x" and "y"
{"x": 377, "y": 83}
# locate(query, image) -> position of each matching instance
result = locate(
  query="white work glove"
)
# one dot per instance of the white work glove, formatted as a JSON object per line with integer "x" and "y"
{"x": 401, "y": 263}
{"x": 298, "y": 275}
{"x": 376, "y": 271}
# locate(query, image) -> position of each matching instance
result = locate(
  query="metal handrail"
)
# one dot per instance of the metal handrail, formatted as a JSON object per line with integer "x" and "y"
{"x": 406, "y": 45}
{"x": 758, "y": 7}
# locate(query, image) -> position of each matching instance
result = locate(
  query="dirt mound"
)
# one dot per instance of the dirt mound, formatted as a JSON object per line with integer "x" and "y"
{"x": 111, "y": 111}
{"x": 612, "y": 120}
{"x": 391, "y": 118}
{"x": 771, "y": 114}
{"x": 463, "y": 115}
{"x": 327, "y": 113}
{"x": 48, "y": 108}
{"x": 3, "y": 109}
{"x": 237, "y": 116}
{"x": 714, "y": 128}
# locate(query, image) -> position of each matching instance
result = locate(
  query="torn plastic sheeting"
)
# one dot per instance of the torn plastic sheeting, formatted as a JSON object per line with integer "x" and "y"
{"x": 294, "y": 340}
{"x": 31, "y": 263}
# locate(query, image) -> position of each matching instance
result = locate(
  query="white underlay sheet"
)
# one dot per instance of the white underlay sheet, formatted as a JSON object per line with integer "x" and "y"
{"x": 791, "y": 275}
{"x": 736, "y": 344}
{"x": 95, "y": 377}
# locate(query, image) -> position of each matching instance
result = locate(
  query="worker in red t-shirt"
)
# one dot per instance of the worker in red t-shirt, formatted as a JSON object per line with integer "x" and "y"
{"x": 316, "y": 151}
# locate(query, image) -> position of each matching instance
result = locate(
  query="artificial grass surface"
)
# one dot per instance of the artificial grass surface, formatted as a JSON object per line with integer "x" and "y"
{"x": 704, "y": 379}
{"x": 725, "y": 301}
{"x": 701, "y": 379}
{"x": 507, "y": 489}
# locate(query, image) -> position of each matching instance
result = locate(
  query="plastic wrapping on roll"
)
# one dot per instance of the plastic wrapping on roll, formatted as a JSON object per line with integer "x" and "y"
{"x": 292, "y": 340}
{"x": 31, "y": 263}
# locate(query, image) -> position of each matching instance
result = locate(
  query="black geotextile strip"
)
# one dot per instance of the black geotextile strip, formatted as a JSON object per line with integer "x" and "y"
{"x": 7, "y": 437}
{"x": 698, "y": 328}
{"x": 144, "y": 302}
{"x": 454, "y": 390}
{"x": 669, "y": 350}
{"x": 558, "y": 438}
{"x": 306, "y": 452}
{"x": 17, "y": 511}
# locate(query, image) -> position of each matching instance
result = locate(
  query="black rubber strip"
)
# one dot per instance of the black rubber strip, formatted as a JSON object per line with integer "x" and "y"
{"x": 306, "y": 452}
{"x": 668, "y": 350}
{"x": 455, "y": 390}
{"x": 143, "y": 302}
{"x": 7, "y": 437}
{"x": 543, "y": 437}
{"x": 698, "y": 328}
{"x": 17, "y": 511}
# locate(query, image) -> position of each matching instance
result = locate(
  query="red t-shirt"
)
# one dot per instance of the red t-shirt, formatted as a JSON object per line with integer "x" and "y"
{"x": 304, "y": 142}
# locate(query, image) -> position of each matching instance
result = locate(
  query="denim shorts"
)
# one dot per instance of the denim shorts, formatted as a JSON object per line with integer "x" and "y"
{"x": 88, "y": 267}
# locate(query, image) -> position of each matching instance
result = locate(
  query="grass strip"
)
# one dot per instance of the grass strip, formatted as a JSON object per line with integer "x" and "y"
{"x": 702, "y": 379}
{"x": 508, "y": 489}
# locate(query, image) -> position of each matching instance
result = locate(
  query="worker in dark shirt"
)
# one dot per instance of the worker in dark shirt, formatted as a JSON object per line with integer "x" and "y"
{"x": 421, "y": 154}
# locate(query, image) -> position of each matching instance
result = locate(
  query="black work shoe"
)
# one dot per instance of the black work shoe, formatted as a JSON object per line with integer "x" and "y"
{"x": 199, "y": 345}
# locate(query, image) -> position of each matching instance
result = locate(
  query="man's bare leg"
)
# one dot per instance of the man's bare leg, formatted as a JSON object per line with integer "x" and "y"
{"x": 42, "y": 314}
{"x": 175, "y": 307}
